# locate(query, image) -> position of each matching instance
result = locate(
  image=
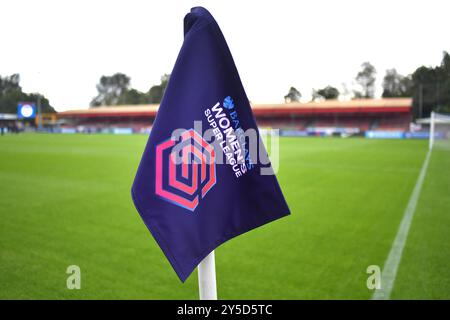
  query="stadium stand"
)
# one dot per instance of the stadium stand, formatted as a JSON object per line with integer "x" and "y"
{"x": 354, "y": 116}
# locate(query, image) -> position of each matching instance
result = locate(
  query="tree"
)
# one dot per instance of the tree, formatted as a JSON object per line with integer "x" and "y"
{"x": 44, "y": 102}
{"x": 366, "y": 80}
{"x": 443, "y": 88}
{"x": 132, "y": 96}
{"x": 396, "y": 85}
{"x": 431, "y": 88}
{"x": 326, "y": 93}
{"x": 156, "y": 92}
{"x": 110, "y": 88}
{"x": 293, "y": 95}
{"x": 115, "y": 90}
{"x": 11, "y": 94}
{"x": 10, "y": 83}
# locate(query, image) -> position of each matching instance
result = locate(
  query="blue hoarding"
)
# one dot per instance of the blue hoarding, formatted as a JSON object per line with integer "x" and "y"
{"x": 385, "y": 134}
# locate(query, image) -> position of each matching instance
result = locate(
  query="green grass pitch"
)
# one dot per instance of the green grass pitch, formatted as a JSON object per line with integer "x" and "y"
{"x": 65, "y": 199}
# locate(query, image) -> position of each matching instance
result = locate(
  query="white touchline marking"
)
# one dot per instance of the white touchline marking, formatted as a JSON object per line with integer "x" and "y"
{"x": 393, "y": 260}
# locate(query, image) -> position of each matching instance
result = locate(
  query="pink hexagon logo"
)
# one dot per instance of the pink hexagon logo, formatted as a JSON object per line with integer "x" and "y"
{"x": 185, "y": 171}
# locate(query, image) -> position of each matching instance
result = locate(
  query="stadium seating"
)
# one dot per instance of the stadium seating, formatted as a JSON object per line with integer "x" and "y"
{"x": 362, "y": 115}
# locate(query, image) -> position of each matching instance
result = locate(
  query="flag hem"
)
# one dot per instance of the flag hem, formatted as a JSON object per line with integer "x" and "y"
{"x": 154, "y": 230}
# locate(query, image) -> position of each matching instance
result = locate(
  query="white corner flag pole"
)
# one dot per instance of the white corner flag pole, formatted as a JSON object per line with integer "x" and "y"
{"x": 431, "y": 130}
{"x": 207, "y": 278}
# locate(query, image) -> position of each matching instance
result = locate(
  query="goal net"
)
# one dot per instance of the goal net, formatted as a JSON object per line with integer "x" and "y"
{"x": 440, "y": 131}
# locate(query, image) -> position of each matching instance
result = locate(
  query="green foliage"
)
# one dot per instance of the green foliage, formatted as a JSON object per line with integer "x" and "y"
{"x": 11, "y": 94}
{"x": 293, "y": 95}
{"x": 110, "y": 89}
{"x": 326, "y": 93}
{"x": 115, "y": 90}
{"x": 132, "y": 96}
{"x": 156, "y": 92}
{"x": 366, "y": 80}
{"x": 431, "y": 86}
{"x": 395, "y": 85}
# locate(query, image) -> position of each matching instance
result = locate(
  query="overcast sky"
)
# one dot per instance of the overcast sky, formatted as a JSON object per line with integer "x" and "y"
{"x": 61, "y": 48}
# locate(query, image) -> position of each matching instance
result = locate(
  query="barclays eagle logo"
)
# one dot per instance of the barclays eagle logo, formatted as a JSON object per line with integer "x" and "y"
{"x": 228, "y": 103}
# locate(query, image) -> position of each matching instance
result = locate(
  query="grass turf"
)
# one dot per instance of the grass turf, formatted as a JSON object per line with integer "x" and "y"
{"x": 65, "y": 199}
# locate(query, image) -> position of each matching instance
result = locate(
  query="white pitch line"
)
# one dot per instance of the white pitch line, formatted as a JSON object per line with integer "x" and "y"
{"x": 393, "y": 260}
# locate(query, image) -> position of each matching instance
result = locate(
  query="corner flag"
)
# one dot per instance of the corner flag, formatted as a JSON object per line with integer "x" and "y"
{"x": 195, "y": 190}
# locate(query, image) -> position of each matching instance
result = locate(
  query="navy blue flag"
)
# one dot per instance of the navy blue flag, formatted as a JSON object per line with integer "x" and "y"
{"x": 200, "y": 181}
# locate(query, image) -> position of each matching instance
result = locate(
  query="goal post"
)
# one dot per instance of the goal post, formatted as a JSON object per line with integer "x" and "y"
{"x": 430, "y": 145}
{"x": 439, "y": 131}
